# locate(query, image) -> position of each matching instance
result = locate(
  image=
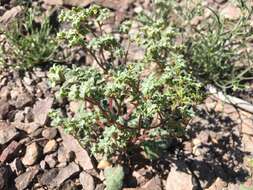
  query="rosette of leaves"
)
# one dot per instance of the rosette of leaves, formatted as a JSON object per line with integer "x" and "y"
{"x": 130, "y": 103}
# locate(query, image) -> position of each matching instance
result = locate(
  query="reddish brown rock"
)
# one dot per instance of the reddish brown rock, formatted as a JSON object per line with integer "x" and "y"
{"x": 7, "y": 133}
{"x": 9, "y": 151}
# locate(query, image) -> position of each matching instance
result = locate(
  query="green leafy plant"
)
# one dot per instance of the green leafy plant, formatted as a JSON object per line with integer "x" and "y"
{"x": 114, "y": 178}
{"x": 125, "y": 102}
{"x": 218, "y": 50}
{"x": 29, "y": 43}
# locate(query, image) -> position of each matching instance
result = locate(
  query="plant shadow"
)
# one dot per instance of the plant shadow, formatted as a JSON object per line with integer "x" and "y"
{"x": 219, "y": 153}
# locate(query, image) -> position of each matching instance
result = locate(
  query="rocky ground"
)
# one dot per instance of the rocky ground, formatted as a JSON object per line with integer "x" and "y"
{"x": 215, "y": 153}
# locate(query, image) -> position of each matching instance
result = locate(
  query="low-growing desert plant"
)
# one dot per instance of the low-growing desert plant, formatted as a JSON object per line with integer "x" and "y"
{"x": 125, "y": 103}
{"x": 145, "y": 101}
{"x": 28, "y": 43}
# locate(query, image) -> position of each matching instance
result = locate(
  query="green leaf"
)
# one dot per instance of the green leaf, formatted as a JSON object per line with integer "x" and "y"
{"x": 114, "y": 178}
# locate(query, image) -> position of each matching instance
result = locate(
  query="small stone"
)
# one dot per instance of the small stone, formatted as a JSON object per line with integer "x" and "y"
{"x": 4, "y": 109}
{"x": 29, "y": 117}
{"x": 231, "y": 12}
{"x": 62, "y": 165}
{"x": 19, "y": 116}
{"x": 87, "y": 181}
{"x": 10, "y": 14}
{"x": 196, "y": 142}
{"x": 187, "y": 147}
{"x": 9, "y": 151}
{"x": 179, "y": 180}
{"x": 51, "y": 146}
{"x": 17, "y": 167}
{"x": 7, "y": 133}
{"x": 154, "y": 184}
{"x": 48, "y": 176}
{"x": 218, "y": 184}
{"x": 5, "y": 93}
{"x": 50, "y": 133}
{"x": 203, "y": 137}
{"x": 32, "y": 154}
{"x": 20, "y": 98}
{"x": 62, "y": 154}
{"x": 23, "y": 180}
{"x": 37, "y": 133}
{"x": 103, "y": 164}
{"x": 68, "y": 185}
{"x": 82, "y": 156}
{"x": 28, "y": 80}
{"x": 41, "y": 110}
{"x": 65, "y": 173}
{"x": 51, "y": 160}
{"x": 74, "y": 106}
{"x": 43, "y": 165}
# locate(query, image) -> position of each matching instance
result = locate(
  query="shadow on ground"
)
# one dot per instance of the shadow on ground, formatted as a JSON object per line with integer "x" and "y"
{"x": 218, "y": 155}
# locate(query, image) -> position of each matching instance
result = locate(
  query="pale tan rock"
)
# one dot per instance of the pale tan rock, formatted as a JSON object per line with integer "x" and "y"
{"x": 231, "y": 12}
{"x": 103, "y": 164}
{"x": 31, "y": 155}
{"x": 51, "y": 146}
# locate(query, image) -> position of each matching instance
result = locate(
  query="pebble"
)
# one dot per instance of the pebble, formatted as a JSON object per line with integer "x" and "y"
{"x": 49, "y": 133}
{"x": 32, "y": 154}
{"x": 51, "y": 146}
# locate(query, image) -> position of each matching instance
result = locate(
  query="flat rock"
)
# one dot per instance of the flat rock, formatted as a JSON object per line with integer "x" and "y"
{"x": 32, "y": 154}
{"x": 41, "y": 110}
{"x": 48, "y": 176}
{"x": 10, "y": 14}
{"x": 71, "y": 144}
{"x": 7, "y": 133}
{"x": 9, "y": 151}
{"x": 27, "y": 127}
{"x": 65, "y": 173}
{"x": 87, "y": 181}
{"x": 23, "y": 181}
{"x": 179, "y": 179}
{"x": 20, "y": 98}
